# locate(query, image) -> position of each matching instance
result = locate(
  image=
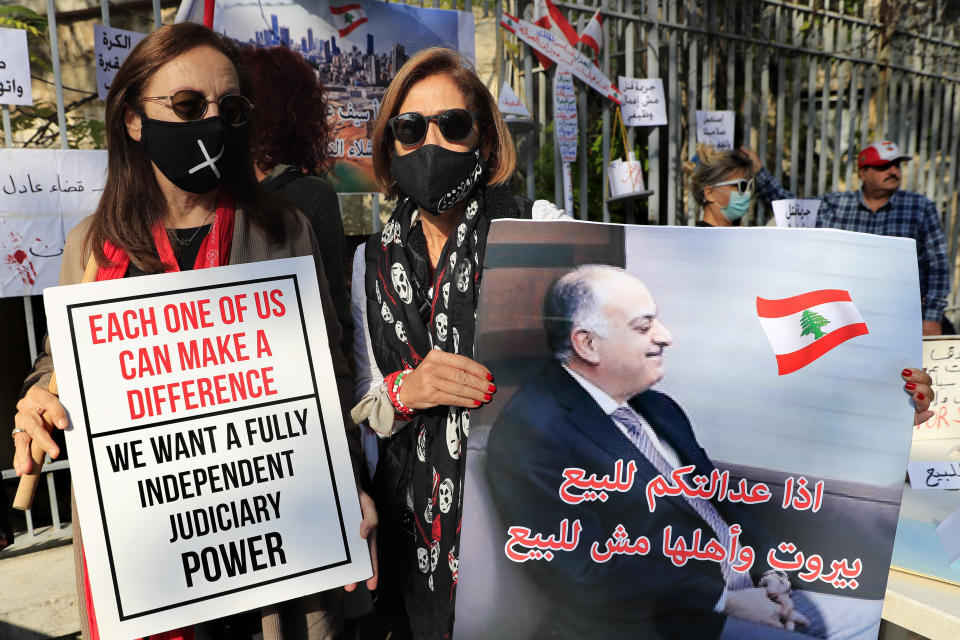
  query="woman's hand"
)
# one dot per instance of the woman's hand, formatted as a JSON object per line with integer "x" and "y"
{"x": 37, "y": 413}
{"x": 447, "y": 379}
{"x": 368, "y": 531}
{"x": 917, "y": 384}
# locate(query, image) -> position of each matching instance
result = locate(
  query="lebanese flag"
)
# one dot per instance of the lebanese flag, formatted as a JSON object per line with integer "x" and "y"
{"x": 592, "y": 35}
{"x": 547, "y": 16}
{"x": 347, "y": 17}
{"x": 803, "y": 328}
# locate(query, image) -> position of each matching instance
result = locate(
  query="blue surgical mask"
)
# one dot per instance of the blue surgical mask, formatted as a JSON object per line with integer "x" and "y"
{"x": 737, "y": 207}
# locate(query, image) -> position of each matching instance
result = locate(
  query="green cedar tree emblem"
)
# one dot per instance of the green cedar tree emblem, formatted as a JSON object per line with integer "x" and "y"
{"x": 348, "y": 18}
{"x": 811, "y": 322}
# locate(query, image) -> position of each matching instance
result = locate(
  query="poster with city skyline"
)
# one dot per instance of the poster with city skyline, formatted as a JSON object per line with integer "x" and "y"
{"x": 356, "y": 48}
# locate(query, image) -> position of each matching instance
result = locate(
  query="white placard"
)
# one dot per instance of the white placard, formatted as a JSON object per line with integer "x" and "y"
{"x": 510, "y": 102}
{"x": 715, "y": 128}
{"x": 15, "y": 85}
{"x": 934, "y": 475}
{"x": 565, "y": 123}
{"x": 43, "y": 194}
{"x": 625, "y": 176}
{"x": 111, "y": 47}
{"x": 209, "y": 459}
{"x": 796, "y": 212}
{"x": 949, "y": 533}
{"x": 644, "y": 103}
{"x": 941, "y": 359}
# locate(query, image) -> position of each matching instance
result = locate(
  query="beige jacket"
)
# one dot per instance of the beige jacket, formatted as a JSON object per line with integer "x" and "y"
{"x": 315, "y": 617}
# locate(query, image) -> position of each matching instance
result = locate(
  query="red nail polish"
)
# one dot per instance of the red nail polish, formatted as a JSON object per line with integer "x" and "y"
{"x": 486, "y": 397}
{"x": 477, "y": 403}
{"x": 492, "y": 388}
{"x": 906, "y": 373}
{"x": 911, "y": 386}
{"x": 919, "y": 396}
{"x": 489, "y": 377}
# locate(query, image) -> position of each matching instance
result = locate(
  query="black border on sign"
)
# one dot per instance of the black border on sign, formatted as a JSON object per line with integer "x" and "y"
{"x": 93, "y": 458}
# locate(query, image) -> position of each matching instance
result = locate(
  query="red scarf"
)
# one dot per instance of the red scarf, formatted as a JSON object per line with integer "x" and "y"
{"x": 214, "y": 252}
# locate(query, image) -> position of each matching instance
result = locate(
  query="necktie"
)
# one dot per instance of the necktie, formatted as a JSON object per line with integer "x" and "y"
{"x": 633, "y": 423}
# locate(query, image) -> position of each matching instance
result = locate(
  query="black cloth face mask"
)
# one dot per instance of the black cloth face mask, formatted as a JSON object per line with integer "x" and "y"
{"x": 436, "y": 178}
{"x": 196, "y": 156}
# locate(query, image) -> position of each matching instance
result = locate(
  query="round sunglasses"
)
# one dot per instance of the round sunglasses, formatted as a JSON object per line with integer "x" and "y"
{"x": 190, "y": 104}
{"x": 743, "y": 185}
{"x": 454, "y": 124}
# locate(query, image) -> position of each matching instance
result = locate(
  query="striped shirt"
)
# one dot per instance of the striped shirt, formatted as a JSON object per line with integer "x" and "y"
{"x": 906, "y": 215}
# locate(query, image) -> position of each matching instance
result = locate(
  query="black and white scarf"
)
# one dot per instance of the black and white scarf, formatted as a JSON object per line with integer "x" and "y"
{"x": 409, "y": 313}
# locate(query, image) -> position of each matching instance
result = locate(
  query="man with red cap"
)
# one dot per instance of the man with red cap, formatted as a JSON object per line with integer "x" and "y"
{"x": 881, "y": 207}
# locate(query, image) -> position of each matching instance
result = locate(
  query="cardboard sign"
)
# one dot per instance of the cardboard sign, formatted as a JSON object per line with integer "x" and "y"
{"x": 625, "y": 176}
{"x": 209, "y": 458}
{"x": 111, "y": 47}
{"x": 644, "y": 103}
{"x": 15, "y": 85}
{"x": 716, "y": 129}
{"x": 43, "y": 194}
{"x": 941, "y": 359}
{"x": 796, "y": 212}
{"x": 510, "y": 102}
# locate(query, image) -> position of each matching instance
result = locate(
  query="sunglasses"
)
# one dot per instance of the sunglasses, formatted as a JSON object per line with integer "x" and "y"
{"x": 454, "y": 124}
{"x": 190, "y": 104}
{"x": 743, "y": 185}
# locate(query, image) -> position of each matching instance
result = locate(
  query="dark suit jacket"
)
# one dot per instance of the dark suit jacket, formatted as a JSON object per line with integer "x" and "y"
{"x": 552, "y": 423}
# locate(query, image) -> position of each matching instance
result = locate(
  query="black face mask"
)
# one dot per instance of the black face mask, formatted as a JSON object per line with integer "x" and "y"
{"x": 436, "y": 178}
{"x": 196, "y": 156}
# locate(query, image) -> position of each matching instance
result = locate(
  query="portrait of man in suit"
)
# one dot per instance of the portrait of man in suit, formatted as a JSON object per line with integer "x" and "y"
{"x": 594, "y": 404}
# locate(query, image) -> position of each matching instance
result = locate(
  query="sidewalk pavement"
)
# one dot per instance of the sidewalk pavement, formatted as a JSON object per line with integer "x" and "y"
{"x": 38, "y": 597}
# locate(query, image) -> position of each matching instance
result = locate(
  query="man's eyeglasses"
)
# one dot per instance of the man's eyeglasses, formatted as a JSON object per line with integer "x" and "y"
{"x": 190, "y": 104}
{"x": 454, "y": 124}
{"x": 743, "y": 185}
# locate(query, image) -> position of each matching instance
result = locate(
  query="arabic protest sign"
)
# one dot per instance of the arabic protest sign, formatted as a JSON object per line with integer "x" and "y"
{"x": 15, "y": 85}
{"x": 562, "y": 53}
{"x": 796, "y": 212}
{"x": 644, "y": 104}
{"x": 565, "y": 128}
{"x": 111, "y": 47}
{"x": 716, "y": 129}
{"x": 934, "y": 475}
{"x": 583, "y": 518}
{"x": 510, "y": 103}
{"x": 355, "y": 61}
{"x": 207, "y": 447}
{"x": 43, "y": 194}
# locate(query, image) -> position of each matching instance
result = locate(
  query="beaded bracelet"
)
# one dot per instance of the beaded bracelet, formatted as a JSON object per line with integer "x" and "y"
{"x": 393, "y": 382}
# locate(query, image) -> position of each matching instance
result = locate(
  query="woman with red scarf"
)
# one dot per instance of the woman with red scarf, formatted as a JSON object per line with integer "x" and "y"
{"x": 181, "y": 194}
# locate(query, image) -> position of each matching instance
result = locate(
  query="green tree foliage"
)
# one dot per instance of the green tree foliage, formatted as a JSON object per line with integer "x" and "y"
{"x": 810, "y": 322}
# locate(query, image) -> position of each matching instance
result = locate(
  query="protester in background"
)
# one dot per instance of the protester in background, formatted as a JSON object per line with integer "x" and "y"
{"x": 181, "y": 194}
{"x": 289, "y": 142}
{"x": 442, "y": 148}
{"x": 882, "y": 208}
{"x": 722, "y": 185}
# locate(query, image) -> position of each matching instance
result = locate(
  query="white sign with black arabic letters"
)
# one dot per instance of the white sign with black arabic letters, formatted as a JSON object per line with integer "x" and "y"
{"x": 111, "y": 47}
{"x": 209, "y": 458}
{"x": 716, "y": 129}
{"x": 644, "y": 104}
{"x": 796, "y": 212}
{"x": 15, "y": 87}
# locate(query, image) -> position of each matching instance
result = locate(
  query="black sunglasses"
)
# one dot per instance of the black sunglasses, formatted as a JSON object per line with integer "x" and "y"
{"x": 190, "y": 104}
{"x": 454, "y": 124}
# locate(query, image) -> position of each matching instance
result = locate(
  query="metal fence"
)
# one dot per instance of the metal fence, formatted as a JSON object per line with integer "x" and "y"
{"x": 811, "y": 82}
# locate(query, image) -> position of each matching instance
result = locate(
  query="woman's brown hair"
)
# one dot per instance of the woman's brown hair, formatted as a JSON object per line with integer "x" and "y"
{"x": 439, "y": 60}
{"x": 132, "y": 201}
{"x": 713, "y": 166}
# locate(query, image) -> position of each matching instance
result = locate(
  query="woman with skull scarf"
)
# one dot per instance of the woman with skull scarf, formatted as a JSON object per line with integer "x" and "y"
{"x": 181, "y": 194}
{"x": 441, "y": 147}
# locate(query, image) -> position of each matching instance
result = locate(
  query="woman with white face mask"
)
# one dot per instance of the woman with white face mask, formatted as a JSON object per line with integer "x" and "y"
{"x": 722, "y": 184}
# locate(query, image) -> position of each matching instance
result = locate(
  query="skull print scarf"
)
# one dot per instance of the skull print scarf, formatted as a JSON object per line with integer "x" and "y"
{"x": 409, "y": 313}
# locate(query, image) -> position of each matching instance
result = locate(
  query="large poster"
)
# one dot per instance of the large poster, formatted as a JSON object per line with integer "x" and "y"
{"x": 43, "y": 194}
{"x": 207, "y": 447}
{"x": 697, "y": 433}
{"x": 356, "y": 47}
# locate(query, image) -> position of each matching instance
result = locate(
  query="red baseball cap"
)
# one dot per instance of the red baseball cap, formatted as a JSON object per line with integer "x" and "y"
{"x": 880, "y": 153}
